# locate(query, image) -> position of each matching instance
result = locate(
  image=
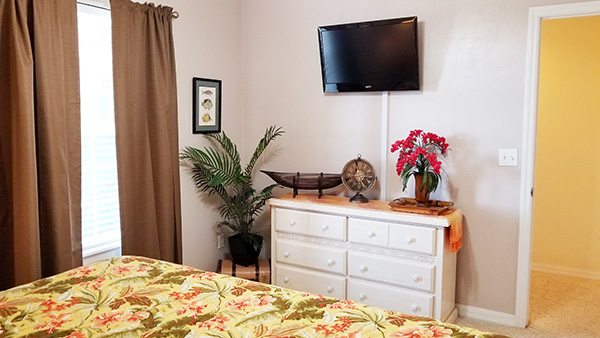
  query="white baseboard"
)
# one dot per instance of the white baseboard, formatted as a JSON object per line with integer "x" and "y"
{"x": 452, "y": 316}
{"x": 491, "y": 316}
{"x": 561, "y": 270}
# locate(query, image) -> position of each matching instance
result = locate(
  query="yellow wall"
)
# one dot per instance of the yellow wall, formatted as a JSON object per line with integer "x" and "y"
{"x": 566, "y": 230}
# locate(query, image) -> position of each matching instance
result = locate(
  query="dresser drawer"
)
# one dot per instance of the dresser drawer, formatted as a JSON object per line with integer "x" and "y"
{"x": 391, "y": 298}
{"x": 312, "y": 256}
{"x": 291, "y": 221}
{"x": 363, "y": 252}
{"x": 413, "y": 238}
{"x": 311, "y": 281}
{"x": 390, "y": 270}
{"x": 367, "y": 232}
{"x": 328, "y": 226}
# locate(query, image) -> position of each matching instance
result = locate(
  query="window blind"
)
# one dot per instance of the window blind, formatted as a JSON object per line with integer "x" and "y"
{"x": 100, "y": 195}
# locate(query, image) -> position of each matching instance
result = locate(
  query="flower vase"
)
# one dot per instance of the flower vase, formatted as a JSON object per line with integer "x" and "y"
{"x": 421, "y": 193}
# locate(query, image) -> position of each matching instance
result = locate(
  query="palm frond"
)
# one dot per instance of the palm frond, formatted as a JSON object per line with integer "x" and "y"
{"x": 218, "y": 167}
{"x": 217, "y": 170}
{"x": 202, "y": 177}
{"x": 260, "y": 199}
{"x": 259, "y": 316}
{"x": 224, "y": 170}
{"x": 271, "y": 133}
{"x": 229, "y": 147}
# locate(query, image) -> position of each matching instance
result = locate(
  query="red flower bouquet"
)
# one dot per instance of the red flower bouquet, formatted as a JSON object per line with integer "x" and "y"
{"x": 418, "y": 155}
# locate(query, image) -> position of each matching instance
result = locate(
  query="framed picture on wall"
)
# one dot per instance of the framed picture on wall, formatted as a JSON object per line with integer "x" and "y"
{"x": 206, "y": 115}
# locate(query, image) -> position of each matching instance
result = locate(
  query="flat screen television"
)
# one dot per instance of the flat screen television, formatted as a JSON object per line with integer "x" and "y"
{"x": 370, "y": 56}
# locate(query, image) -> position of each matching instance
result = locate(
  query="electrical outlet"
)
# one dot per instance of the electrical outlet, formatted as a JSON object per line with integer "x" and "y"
{"x": 220, "y": 242}
{"x": 507, "y": 157}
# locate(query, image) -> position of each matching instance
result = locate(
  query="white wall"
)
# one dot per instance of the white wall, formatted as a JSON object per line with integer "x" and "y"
{"x": 208, "y": 45}
{"x": 473, "y": 72}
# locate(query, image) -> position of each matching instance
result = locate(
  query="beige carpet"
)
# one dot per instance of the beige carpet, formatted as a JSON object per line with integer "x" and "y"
{"x": 559, "y": 307}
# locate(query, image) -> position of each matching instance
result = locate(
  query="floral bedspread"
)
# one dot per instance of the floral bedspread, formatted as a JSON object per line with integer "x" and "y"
{"x": 140, "y": 297}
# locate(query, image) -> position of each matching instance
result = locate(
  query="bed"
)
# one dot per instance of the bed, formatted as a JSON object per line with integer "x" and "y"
{"x": 132, "y": 296}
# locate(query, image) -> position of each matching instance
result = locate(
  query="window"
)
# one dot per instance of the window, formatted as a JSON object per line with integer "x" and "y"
{"x": 99, "y": 191}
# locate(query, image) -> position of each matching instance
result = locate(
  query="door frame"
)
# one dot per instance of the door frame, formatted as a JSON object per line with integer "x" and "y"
{"x": 536, "y": 15}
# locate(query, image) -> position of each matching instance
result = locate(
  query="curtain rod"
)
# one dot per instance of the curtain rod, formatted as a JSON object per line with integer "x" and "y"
{"x": 174, "y": 14}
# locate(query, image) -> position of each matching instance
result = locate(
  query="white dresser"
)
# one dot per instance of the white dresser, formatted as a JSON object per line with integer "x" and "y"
{"x": 363, "y": 252}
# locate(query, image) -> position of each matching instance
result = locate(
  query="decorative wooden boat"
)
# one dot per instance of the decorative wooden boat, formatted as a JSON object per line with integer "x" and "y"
{"x": 299, "y": 180}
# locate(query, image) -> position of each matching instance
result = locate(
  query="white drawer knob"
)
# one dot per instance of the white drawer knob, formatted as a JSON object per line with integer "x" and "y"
{"x": 330, "y": 262}
{"x": 285, "y": 279}
{"x": 324, "y": 227}
{"x": 371, "y": 234}
{"x": 363, "y": 268}
{"x": 286, "y": 254}
{"x": 417, "y": 278}
{"x": 292, "y": 223}
{"x": 415, "y": 308}
{"x": 362, "y": 296}
{"x": 410, "y": 240}
{"x": 329, "y": 289}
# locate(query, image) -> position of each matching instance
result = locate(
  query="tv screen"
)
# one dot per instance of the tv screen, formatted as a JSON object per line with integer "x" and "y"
{"x": 370, "y": 56}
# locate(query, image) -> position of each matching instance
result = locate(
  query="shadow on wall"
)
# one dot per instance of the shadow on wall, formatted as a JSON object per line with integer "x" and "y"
{"x": 435, "y": 66}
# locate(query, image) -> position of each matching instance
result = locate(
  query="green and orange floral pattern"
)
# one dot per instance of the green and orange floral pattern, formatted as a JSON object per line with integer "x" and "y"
{"x": 140, "y": 297}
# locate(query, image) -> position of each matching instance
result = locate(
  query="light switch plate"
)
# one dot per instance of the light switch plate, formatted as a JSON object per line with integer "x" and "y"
{"x": 508, "y": 157}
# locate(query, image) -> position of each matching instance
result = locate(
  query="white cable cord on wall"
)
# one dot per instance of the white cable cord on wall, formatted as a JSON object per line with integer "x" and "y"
{"x": 382, "y": 177}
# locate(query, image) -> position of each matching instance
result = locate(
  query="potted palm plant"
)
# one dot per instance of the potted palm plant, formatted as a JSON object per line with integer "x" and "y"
{"x": 217, "y": 170}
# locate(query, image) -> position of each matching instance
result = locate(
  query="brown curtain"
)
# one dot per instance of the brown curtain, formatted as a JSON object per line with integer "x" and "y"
{"x": 146, "y": 130}
{"x": 40, "y": 173}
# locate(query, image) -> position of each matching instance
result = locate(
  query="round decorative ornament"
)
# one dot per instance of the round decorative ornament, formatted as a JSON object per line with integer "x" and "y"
{"x": 358, "y": 176}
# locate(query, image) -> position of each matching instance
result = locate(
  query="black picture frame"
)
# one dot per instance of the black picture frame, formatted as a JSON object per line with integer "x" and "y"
{"x": 206, "y": 106}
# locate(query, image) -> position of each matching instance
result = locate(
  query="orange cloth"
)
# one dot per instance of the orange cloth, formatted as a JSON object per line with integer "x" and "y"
{"x": 454, "y": 217}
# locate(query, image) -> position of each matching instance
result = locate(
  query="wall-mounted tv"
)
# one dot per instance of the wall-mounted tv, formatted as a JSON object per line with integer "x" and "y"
{"x": 370, "y": 56}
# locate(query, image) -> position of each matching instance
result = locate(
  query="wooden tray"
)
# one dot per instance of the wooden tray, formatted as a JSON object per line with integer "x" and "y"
{"x": 411, "y": 205}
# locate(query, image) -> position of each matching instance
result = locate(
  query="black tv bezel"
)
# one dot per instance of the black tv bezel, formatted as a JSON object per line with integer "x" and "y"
{"x": 364, "y": 86}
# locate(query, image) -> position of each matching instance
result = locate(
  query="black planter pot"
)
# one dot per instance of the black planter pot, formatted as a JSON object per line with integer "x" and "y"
{"x": 242, "y": 251}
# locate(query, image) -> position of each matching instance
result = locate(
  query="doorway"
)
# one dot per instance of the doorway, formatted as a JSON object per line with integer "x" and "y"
{"x": 567, "y": 193}
{"x": 537, "y": 15}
